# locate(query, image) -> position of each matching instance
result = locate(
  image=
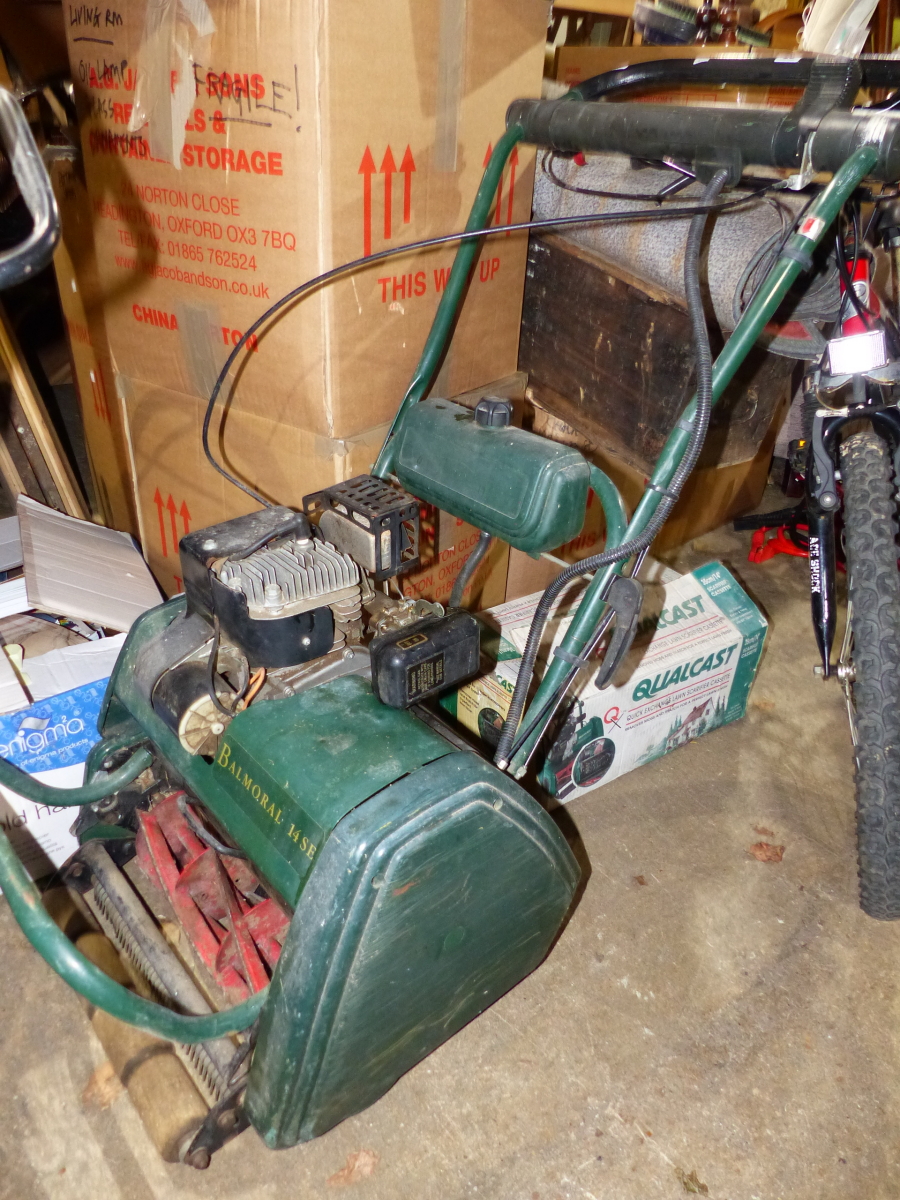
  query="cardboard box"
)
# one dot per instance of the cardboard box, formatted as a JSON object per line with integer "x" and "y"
{"x": 445, "y": 545}
{"x": 232, "y": 153}
{"x": 176, "y": 490}
{"x": 690, "y": 671}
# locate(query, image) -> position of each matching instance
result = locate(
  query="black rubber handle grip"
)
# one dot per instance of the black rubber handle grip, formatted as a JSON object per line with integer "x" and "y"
{"x": 764, "y": 137}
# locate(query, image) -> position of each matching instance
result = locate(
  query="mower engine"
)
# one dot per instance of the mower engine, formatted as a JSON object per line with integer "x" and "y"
{"x": 306, "y": 824}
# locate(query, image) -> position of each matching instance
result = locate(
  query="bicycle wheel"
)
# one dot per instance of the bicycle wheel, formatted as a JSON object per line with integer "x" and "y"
{"x": 874, "y": 594}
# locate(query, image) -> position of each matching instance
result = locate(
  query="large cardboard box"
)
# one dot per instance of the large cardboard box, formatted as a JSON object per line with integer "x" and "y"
{"x": 233, "y": 150}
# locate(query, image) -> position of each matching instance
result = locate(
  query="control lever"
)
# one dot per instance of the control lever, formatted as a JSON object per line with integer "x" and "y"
{"x": 625, "y": 598}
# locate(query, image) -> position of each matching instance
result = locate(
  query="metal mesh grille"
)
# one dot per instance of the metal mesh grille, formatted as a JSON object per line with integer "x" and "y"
{"x": 202, "y": 1070}
{"x": 295, "y": 571}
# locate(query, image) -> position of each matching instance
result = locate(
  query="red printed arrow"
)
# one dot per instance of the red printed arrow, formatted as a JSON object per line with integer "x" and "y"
{"x": 407, "y": 167}
{"x": 170, "y": 505}
{"x": 185, "y": 515}
{"x": 513, "y": 163}
{"x": 388, "y": 167}
{"x": 158, "y": 501}
{"x": 367, "y": 169}
{"x": 498, "y": 216}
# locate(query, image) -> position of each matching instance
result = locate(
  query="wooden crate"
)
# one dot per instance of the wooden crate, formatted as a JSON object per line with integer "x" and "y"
{"x": 611, "y": 359}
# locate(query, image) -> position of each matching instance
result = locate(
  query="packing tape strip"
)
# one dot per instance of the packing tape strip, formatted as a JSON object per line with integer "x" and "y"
{"x": 200, "y": 332}
{"x": 450, "y": 83}
{"x": 170, "y": 44}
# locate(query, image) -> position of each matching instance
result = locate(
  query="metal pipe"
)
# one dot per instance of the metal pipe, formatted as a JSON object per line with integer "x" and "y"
{"x": 468, "y": 569}
{"x": 877, "y": 71}
{"x": 89, "y": 981}
{"x": 98, "y": 789}
{"x": 445, "y": 318}
{"x": 16, "y": 141}
{"x": 766, "y": 137}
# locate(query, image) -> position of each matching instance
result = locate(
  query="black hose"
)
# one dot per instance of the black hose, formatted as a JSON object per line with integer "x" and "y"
{"x": 703, "y": 353}
{"x": 877, "y": 71}
{"x": 847, "y": 274}
{"x": 203, "y": 833}
{"x": 469, "y": 567}
{"x": 211, "y": 664}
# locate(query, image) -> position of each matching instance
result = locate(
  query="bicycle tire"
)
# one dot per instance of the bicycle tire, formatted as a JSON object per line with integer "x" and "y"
{"x": 874, "y": 589}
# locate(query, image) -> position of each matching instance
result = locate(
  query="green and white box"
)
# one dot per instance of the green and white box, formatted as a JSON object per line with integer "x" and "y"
{"x": 690, "y": 670}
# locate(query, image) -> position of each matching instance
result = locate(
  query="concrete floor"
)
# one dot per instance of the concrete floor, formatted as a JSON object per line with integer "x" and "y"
{"x": 726, "y": 1028}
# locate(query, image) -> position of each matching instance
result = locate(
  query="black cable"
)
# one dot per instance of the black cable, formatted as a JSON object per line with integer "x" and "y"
{"x": 655, "y": 214}
{"x": 211, "y": 671}
{"x": 469, "y": 567}
{"x": 549, "y": 157}
{"x": 864, "y": 311}
{"x": 847, "y": 275}
{"x": 552, "y": 702}
{"x": 699, "y": 426}
{"x": 773, "y": 258}
{"x": 203, "y": 833}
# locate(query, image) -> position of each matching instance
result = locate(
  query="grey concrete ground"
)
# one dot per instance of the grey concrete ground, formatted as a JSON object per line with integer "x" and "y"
{"x": 725, "y": 1028}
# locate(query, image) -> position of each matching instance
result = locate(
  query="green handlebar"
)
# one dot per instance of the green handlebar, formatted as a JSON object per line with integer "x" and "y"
{"x": 445, "y": 318}
{"x": 612, "y": 504}
{"x": 822, "y": 213}
{"x": 42, "y": 793}
{"x": 53, "y": 946}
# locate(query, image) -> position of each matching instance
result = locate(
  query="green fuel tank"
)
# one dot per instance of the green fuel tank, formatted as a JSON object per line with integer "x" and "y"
{"x": 525, "y": 489}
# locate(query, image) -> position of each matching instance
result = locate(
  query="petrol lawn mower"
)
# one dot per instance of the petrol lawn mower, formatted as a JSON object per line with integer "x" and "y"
{"x": 348, "y": 881}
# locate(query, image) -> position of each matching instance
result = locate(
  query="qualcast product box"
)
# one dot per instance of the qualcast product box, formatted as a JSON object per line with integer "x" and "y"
{"x": 690, "y": 670}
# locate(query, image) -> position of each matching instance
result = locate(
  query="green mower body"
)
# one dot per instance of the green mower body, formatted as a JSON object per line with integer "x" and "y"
{"x": 421, "y": 882}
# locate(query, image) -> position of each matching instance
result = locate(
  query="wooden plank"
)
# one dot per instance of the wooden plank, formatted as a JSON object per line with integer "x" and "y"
{"x": 10, "y": 473}
{"x": 604, "y": 8}
{"x": 38, "y": 420}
